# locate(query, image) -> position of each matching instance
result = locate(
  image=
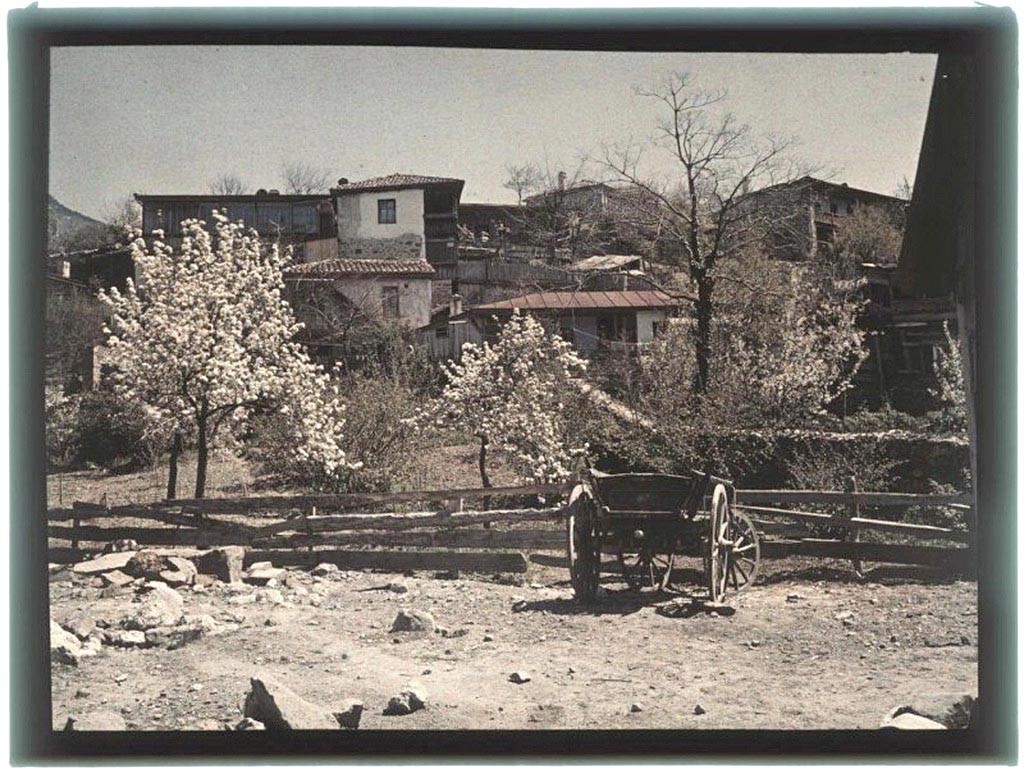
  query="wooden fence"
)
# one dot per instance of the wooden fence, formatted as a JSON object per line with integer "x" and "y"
{"x": 306, "y": 529}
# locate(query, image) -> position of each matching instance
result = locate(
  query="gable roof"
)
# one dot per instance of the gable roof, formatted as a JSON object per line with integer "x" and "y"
{"x": 396, "y": 181}
{"x": 583, "y": 299}
{"x": 358, "y": 267}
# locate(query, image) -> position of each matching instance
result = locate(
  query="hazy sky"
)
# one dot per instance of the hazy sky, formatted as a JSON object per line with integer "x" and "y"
{"x": 170, "y": 119}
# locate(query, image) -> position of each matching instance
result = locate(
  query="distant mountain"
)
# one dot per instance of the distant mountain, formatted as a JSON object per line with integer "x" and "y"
{"x": 70, "y": 230}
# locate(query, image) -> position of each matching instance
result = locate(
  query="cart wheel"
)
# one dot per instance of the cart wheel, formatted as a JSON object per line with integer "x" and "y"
{"x": 734, "y": 549}
{"x": 646, "y": 569}
{"x": 580, "y": 548}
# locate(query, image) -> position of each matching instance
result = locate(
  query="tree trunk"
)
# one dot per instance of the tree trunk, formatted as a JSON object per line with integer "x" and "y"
{"x": 202, "y": 458}
{"x": 704, "y": 311}
{"x": 172, "y": 473}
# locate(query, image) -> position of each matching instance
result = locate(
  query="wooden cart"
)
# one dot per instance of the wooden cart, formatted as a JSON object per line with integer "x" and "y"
{"x": 648, "y": 521}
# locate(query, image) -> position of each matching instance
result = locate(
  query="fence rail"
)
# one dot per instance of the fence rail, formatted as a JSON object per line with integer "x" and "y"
{"x": 449, "y": 537}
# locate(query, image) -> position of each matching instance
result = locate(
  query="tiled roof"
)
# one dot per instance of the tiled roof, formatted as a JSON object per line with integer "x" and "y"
{"x": 589, "y": 299}
{"x": 334, "y": 267}
{"x": 397, "y": 180}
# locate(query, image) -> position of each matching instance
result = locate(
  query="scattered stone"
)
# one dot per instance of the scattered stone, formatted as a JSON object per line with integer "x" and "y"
{"x": 121, "y": 545}
{"x": 124, "y": 638}
{"x": 269, "y": 595}
{"x": 349, "y": 717}
{"x": 410, "y": 700}
{"x": 261, "y": 566}
{"x": 699, "y": 710}
{"x": 908, "y": 721}
{"x": 447, "y": 575}
{"x": 147, "y": 564}
{"x": 173, "y": 637}
{"x": 398, "y": 588}
{"x": 102, "y": 564}
{"x": 794, "y": 597}
{"x": 324, "y": 568}
{"x": 224, "y": 563}
{"x": 263, "y": 575}
{"x": 120, "y": 678}
{"x": 100, "y": 720}
{"x": 248, "y": 724}
{"x": 488, "y": 638}
{"x": 180, "y": 572}
{"x": 281, "y": 709}
{"x": 413, "y": 621}
{"x": 844, "y": 615}
{"x": 209, "y": 724}
{"x": 161, "y": 606}
{"x": 83, "y": 693}
{"x": 64, "y": 646}
{"x": 519, "y": 678}
{"x": 116, "y": 579}
{"x": 451, "y": 633}
{"x": 636, "y": 708}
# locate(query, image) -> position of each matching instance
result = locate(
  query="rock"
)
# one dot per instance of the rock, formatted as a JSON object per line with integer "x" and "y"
{"x": 908, "y": 721}
{"x": 844, "y": 615}
{"x": 83, "y": 693}
{"x": 349, "y": 717}
{"x": 324, "y": 568}
{"x": 699, "y": 710}
{"x": 121, "y": 545}
{"x": 636, "y": 708}
{"x": 223, "y": 563}
{"x": 181, "y": 572}
{"x": 209, "y": 724}
{"x": 125, "y": 638}
{"x": 794, "y": 597}
{"x": 519, "y": 678}
{"x": 447, "y": 575}
{"x": 281, "y": 709}
{"x": 116, "y": 578}
{"x": 261, "y": 566}
{"x": 262, "y": 575}
{"x": 146, "y": 564}
{"x": 100, "y": 720}
{"x": 488, "y": 638}
{"x": 248, "y": 724}
{"x": 81, "y": 625}
{"x": 104, "y": 563}
{"x": 410, "y": 700}
{"x": 120, "y": 678}
{"x": 64, "y": 646}
{"x": 160, "y": 606}
{"x": 398, "y": 588}
{"x": 273, "y": 596}
{"x": 413, "y": 621}
{"x": 951, "y": 710}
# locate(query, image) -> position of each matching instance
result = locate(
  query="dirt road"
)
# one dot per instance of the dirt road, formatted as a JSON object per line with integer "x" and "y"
{"x": 798, "y": 652}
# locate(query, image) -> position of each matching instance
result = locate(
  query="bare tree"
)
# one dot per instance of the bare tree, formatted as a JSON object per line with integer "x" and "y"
{"x": 523, "y": 179}
{"x": 227, "y": 184}
{"x": 302, "y": 178}
{"x": 122, "y": 216}
{"x": 697, "y": 207}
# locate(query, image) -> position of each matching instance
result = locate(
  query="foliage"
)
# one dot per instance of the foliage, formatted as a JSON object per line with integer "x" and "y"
{"x": 870, "y": 235}
{"x": 206, "y": 338}
{"x": 512, "y": 396}
{"x": 949, "y": 390}
{"x": 61, "y": 412}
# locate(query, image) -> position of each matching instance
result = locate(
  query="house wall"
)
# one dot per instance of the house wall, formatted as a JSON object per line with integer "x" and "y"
{"x": 645, "y": 319}
{"x": 413, "y": 296}
{"x": 584, "y": 332}
{"x": 361, "y": 236}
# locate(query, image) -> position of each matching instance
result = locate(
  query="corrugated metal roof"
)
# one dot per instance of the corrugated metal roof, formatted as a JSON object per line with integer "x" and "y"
{"x": 397, "y": 180}
{"x": 362, "y": 267}
{"x": 604, "y": 262}
{"x": 593, "y": 299}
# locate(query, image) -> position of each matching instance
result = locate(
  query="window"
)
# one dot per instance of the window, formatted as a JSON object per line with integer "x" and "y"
{"x": 386, "y": 211}
{"x": 389, "y": 301}
{"x": 442, "y": 332}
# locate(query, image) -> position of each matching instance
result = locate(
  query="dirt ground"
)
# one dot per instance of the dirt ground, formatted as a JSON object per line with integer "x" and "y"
{"x": 810, "y": 647}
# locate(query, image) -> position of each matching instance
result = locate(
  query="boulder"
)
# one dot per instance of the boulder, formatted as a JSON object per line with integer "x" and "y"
{"x": 147, "y": 564}
{"x": 102, "y": 564}
{"x": 413, "y": 621}
{"x": 64, "y": 646}
{"x": 179, "y": 572}
{"x": 248, "y": 724}
{"x": 908, "y": 721}
{"x": 261, "y": 576}
{"x": 324, "y": 568}
{"x": 224, "y": 563}
{"x": 160, "y": 606}
{"x": 173, "y": 637}
{"x": 410, "y": 700}
{"x": 116, "y": 578}
{"x": 131, "y": 638}
{"x": 100, "y": 720}
{"x": 952, "y": 710}
{"x": 349, "y": 717}
{"x": 281, "y": 709}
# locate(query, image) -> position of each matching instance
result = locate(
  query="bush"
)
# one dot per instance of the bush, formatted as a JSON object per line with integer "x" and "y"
{"x": 61, "y": 420}
{"x": 109, "y": 431}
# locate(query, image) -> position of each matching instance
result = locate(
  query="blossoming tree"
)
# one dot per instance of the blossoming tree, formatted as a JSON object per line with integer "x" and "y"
{"x": 205, "y": 338}
{"x": 510, "y": 396}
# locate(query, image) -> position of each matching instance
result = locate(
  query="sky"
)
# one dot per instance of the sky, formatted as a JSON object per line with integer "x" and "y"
{"x": 171, "y": 119}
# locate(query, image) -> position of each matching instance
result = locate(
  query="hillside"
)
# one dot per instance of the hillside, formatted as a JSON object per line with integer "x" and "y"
{"x": 71, "y": 230}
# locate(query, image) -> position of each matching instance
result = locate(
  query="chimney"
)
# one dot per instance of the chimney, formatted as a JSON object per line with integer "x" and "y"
{"x": 342, "y": 181}
{"x": 561, "y": 181}
{"x": 455, "y": 305}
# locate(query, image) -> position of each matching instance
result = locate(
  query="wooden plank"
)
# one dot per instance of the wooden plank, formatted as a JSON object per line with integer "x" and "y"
{"x": 920, "y": 530}
{"x": 523, "y": 539}
{"x": 395, "y": 561}
{"x": 145, "y": 536}
{"x": 780, "y": 529}
{"x": 832, "y": 497}
{"x": 341, "y": 501}
{"x": 952, "y": 558}
{"x": 396, "y": 521}
{"x": 794, "y": 515}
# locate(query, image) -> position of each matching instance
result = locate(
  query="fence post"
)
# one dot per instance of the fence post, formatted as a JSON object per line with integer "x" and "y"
{"x": 309, "y": 534}
{"x": 852, "y": 531}
{"x": 74, "y": 535}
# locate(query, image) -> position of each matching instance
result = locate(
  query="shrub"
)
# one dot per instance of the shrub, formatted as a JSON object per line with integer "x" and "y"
{"x": 61, "y": 421}
{"x": 112, "y": 431}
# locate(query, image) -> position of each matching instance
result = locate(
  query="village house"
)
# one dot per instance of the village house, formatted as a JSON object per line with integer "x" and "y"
{"x": 398, "y": 217}
{"x": 328, "y": 294}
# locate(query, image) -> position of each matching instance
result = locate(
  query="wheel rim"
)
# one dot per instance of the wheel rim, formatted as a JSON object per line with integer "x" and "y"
{"x": 716, "y": 575}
